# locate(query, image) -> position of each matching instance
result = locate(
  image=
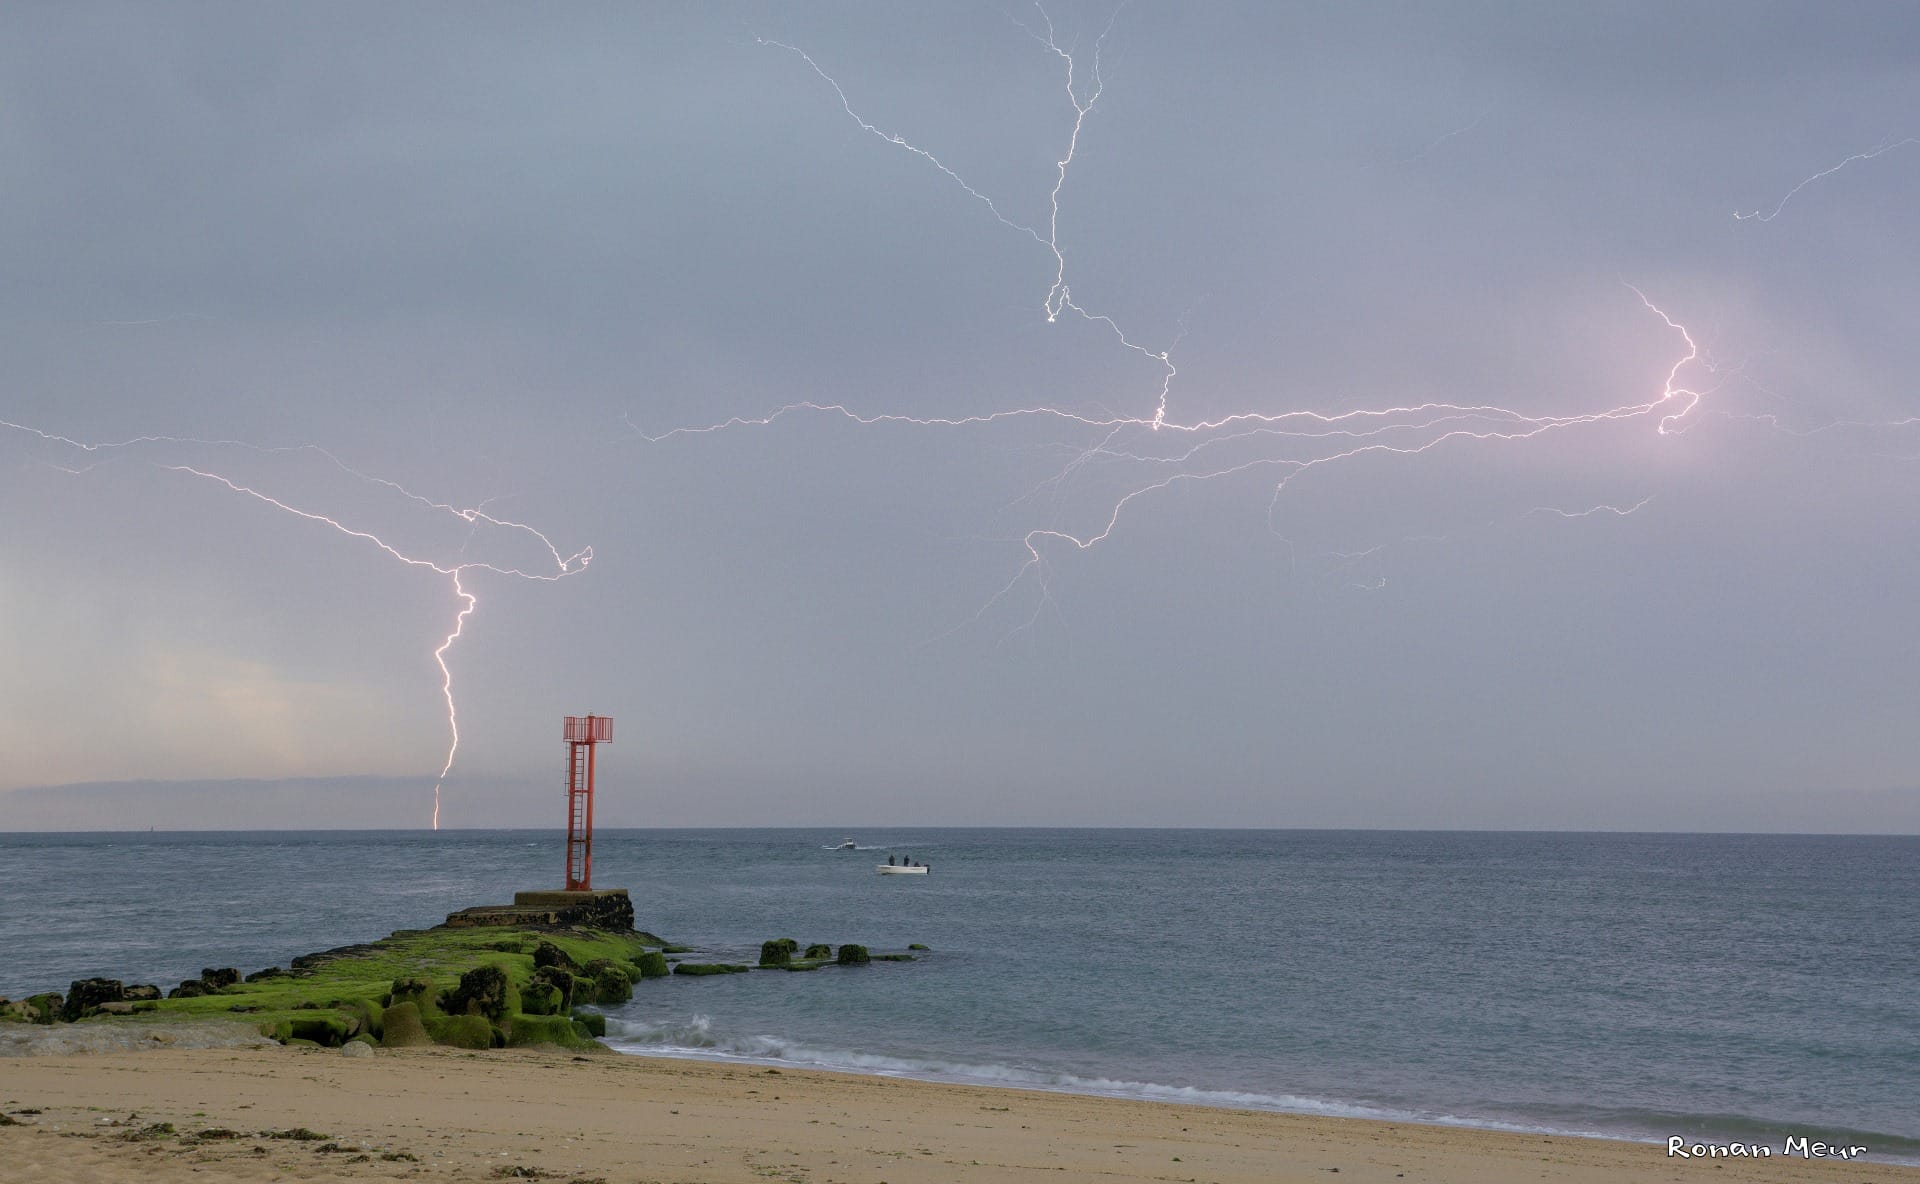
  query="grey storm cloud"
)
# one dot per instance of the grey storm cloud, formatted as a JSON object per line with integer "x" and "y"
{"x": 489, "y": 251}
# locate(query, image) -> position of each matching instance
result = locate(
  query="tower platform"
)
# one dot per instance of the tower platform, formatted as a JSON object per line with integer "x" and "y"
{"x": 605, "y": 908}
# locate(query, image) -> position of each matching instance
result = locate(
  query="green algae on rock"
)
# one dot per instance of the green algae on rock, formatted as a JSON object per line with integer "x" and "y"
{"x": 494, "y": 977}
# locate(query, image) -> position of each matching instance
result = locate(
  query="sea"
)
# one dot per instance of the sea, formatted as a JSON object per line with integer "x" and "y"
{"x": 1720, "y": 987}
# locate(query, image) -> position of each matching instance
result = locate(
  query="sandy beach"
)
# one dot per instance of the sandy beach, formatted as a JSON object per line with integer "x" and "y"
{"x": 432, "y": 1114}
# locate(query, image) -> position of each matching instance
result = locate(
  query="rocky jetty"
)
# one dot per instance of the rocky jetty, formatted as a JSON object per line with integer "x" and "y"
{"x": 492, "y": 977}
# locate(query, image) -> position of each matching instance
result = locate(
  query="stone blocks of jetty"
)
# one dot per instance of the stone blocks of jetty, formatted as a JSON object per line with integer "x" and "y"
{"x": 610, "y": 909}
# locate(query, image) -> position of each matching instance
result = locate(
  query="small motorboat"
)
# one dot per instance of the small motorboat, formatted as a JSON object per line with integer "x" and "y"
{"x": 901, "y": 869}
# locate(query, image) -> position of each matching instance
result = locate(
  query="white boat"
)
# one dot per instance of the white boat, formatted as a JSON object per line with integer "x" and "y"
{"x": 900, "y": 869}
{"x": 845, "y": 845}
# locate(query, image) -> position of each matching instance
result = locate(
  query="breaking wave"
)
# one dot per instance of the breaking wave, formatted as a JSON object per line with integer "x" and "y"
{"x": 694, "y": 1038}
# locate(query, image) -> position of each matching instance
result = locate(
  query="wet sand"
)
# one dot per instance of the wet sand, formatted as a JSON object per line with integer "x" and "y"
{"x": 441, "y": 1114}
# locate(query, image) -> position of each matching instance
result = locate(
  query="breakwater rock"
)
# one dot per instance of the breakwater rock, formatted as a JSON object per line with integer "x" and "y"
{"x": 477, "y": 985}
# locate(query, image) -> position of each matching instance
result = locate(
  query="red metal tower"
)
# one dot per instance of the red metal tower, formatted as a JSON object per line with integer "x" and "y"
{"x": 583, "y": 732}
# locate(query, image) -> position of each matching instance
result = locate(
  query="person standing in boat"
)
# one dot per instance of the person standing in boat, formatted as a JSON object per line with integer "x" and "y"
{"x": 889, "y": 861}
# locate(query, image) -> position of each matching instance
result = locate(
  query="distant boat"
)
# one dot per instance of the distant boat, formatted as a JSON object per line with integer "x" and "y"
{"x": 898, "y": 869}
{"x": 843, "y": 845}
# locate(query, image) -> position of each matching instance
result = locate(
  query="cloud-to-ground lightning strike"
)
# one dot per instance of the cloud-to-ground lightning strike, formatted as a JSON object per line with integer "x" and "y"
{"x": 1282, "y": 444}
{"x": 563, "y": 566}
{"x": 1886, "y": 146}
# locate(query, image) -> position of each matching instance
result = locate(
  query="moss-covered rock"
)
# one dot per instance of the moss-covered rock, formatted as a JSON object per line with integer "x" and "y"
{"x": 461, "y": 1031}
{"x": 562, "y": 983}
{"x": 558, "y": 1030}
{"x": 403, "y": 1027}
{"x": 548, "y": 954}
{"x": 191, "y": 988}
{"x": 778, "y": 952}
{"x": 363, "y": 1038}
{"x": 702, "y": 968}
{"x": 805, "y": 964}
{"x": 368, "y": 1014}
{"x": 915, "y": 946}
{"x": 45, "y": 1007}
{"x": 611, "y": 982}
{"x": 653, "y": 964}
{"x": 819, "y": 949}
{"x": 596, "y": 1023}
{"x": 420, "y": 992}
{"x": 271, "y": 972}
{"x": 484, "y": 990}
{"x": 338, "y": 994}
{"x": 140, "y": 992}
{"x": 541, "y": 998}
{"x": 327, "y": 1029}
{"x": 852, "y": 955}
{"x": 225, "y": 976}
{"x": 895, "y": 958}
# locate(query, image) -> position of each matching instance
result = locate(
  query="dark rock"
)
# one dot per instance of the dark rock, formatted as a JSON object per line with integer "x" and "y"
{"x": 306, "y": 964}
{"x": 852, "y": 955}
{"x": 269, "y": 972}
{"x": 141, "y": 992}
{"x": 224, "y": 977}
{"x": 698, "y": 968}
{"x": 548, "y": 954}
{"x": 87, "y": 994}
{"x": 819, "y": 950}
{"x": 192, "y": 988}
{"x": 44, "y": 1007}
{"x": 916, "y": 946}
{"x": 482, "y": 991}
{"x": 561, "y": 981}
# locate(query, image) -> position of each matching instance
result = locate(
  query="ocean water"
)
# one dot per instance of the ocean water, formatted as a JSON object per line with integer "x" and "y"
{"x": 1713, "y": 986}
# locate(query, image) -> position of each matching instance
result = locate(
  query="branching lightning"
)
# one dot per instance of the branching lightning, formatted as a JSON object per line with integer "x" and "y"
{"x": 1172, "y": 451}
{"x": 563, "y": 566}
{"x": 1886, "y": 146}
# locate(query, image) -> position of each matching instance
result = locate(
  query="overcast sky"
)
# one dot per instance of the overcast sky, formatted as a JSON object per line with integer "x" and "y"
{"x": 493, "y": 253}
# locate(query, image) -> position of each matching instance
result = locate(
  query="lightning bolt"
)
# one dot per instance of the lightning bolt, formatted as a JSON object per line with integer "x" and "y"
{"x": 563, "y": 565}
{"x": 1282, "y": 445}
{"x": 1886, "y": 146}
